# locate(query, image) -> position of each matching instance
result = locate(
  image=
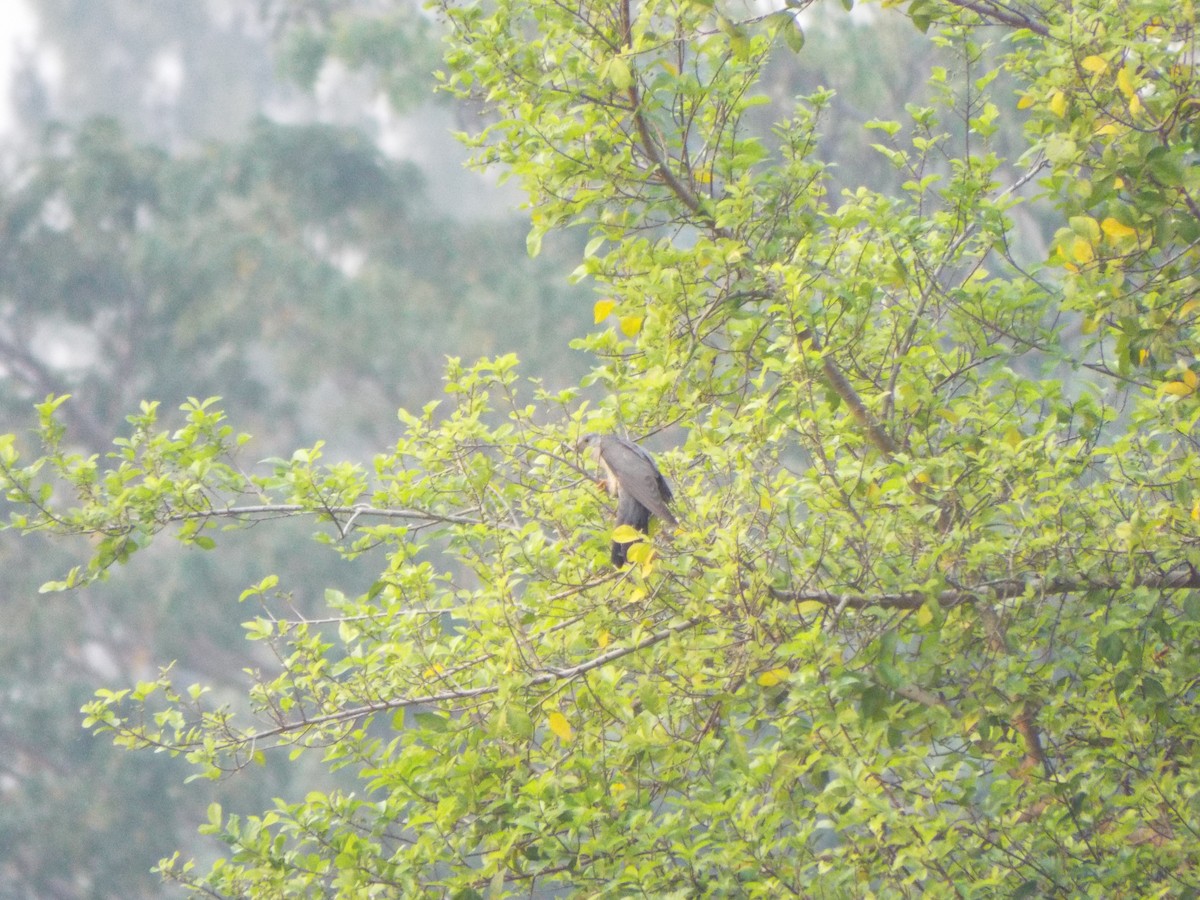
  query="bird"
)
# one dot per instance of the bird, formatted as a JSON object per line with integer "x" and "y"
{"x": 631, "y": 474}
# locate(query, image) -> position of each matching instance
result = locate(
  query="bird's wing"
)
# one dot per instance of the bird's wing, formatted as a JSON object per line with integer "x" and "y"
{"x": 637, "y": 476}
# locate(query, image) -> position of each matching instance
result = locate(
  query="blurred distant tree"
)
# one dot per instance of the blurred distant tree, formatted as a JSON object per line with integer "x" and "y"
{"x": 173, "y": 70}
{"x": 300, "y": 275}
{"x": 128, "y": 273}
{"x": 294, "y": 270}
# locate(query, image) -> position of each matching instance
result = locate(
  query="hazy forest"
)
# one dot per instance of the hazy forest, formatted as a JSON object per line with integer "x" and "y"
{"x": 306, "y": 304}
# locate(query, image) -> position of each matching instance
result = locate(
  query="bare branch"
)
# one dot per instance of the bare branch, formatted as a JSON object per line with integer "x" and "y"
{"x": 1178, "y": 578}
{"x": 354, "y": 512}
{"x": 546, "y": 676}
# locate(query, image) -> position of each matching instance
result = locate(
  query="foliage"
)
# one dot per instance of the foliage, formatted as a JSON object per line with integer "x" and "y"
{"x": 930, "y": 622}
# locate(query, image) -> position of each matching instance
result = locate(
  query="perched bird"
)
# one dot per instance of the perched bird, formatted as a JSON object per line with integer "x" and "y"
{"x": 630, "y": 473}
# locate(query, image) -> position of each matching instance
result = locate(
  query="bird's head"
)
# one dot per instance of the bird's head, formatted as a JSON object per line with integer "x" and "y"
{"x": 588, "y": 442}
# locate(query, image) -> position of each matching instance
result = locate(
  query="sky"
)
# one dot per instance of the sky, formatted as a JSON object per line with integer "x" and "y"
{"x": 18, "y": 32}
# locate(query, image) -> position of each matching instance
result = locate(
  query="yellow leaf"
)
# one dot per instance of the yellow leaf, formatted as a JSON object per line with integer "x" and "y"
{"x": 433, "y": 671}
{"x": 1082, "y": 250}
{"x": 1143, "y": 355}
{"x": 603, "y": 638}
{"x": 1188, "y": 307}
{"x": 623, "y": 534}
{"x": 1124, "y": 82}
{"x": 1026, "y": 101}
{"x": 1175, "y": 388}
{"x": 924, "y": 615}
{"x": 810, "y": 607}
{"x": 560, "y": 726}
{"x": 1196, "y": 510}
{"x": 1058, "y": 104}
{"x": 1012, "y": 437}
{"x": 1191, "y": 379}
{"x": 1089, "y": 326}
{"x": 1118, "y": 183}
{"x": 601, "y": 310}
{"x": 1094, "y": 64}
{"x": 641, "y": 554}
{"x": 1110, "y": 128}
{"x": 1135, "y": 105}
{"x": 1117, "y": 230}
{"x": 772, "y": 677}
{"x": 631, "y": 325}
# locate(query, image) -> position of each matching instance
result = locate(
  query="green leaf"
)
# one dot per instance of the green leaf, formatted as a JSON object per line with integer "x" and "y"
{"x": 787, "y": 25}
{"x": 620, "y": 74}
{"x": 1111, "y": 647}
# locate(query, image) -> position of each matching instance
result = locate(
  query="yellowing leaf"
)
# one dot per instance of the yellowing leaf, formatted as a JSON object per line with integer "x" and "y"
{"x": 1110, "y": 128}
{"x": 1082, "y": 250}
{"x": 1093, "y": 64}
{"x": 623, "y": 534}
{"x": 1124, "y": 82}
{"x": 1175, "y": 388}
{"x": 602, "y": 309}
{"x": 1117, "y": 230}
{"x": 1188, "y": 307}
{"x": 772, "y": 677}
{"x": 1089, "y": 326}
{"x": 1026, "y": 101}
{"x": 924, "y": 615}
{"x": 560, "y": 726}
{"x": 433, "y": 671}
{"x": 1143, "y": 355}
{"x": 1058, "y": 104}
{"x": 1012, "y": 437}
{"x": 1085, "y": 227}
{"x": 1135, "y": 105}
{"x": 1196, "y": 510}
{"x": 603, "y": 638}
{"x": 1191, "y": 379}
{"x": 631, "y": 325}
{"x": 641, "y": 554}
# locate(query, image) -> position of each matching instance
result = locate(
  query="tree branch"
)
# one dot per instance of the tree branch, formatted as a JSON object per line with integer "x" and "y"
{"x": 1005, "y": 16}
{"x": 1177, "y": 578}
{"x": 545, "y": 676}
{"x": 284, "y": 509}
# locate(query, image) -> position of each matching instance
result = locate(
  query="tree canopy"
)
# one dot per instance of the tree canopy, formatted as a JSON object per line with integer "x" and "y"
{"x": 930, "y": 623}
